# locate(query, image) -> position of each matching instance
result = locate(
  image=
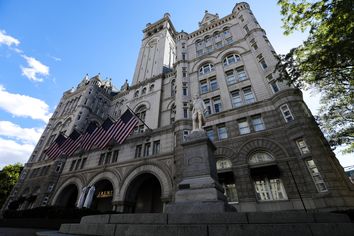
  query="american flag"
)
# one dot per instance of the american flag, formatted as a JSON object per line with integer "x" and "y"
{"x": 54, "y": 150}
{"x": 129, "y": 121}
{"x": 120, "y": 130}
{"x": 85, "y": 138}
{"x": 98, "y": 134}
{"x": 71, "y": 143}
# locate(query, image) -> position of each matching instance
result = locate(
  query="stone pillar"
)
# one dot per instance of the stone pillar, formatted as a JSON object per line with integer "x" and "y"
{"x": 199, "y": 191}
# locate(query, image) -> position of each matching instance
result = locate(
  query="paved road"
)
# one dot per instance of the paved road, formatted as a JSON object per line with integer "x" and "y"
{"x": 19, "y": 231}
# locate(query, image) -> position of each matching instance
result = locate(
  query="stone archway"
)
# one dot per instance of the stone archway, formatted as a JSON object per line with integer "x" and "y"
{"x": 68, "y": 196}
{"x": 103, "y": 196}
{"x": 144, "y": 195}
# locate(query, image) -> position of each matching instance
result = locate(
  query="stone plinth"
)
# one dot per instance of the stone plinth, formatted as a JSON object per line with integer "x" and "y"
{"x": 199, "y": 191}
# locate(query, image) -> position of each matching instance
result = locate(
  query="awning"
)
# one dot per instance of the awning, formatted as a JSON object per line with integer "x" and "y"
{"x": 271, "y": 171}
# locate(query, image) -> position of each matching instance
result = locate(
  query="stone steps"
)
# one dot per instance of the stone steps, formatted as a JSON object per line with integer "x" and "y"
{"x": 213, "y": 224}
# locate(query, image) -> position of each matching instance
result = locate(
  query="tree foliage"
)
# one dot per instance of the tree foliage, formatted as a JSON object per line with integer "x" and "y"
{"x": 324, "y": 60}
{"x": 8, "y": 178}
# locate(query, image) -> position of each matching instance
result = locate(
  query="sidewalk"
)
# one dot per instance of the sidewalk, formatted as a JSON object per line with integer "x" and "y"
{"x": 19, "y": 231}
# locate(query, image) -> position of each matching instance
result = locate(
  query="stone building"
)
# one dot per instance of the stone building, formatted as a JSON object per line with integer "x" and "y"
{"x": 271, "y": 155}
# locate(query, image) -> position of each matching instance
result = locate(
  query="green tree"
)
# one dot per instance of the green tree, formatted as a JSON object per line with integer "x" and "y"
{"x": 8, "y": 178}
{"x": 324, "y": 60}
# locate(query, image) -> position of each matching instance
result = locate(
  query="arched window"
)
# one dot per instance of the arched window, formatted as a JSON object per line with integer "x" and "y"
{"x": 136, "y": 94}
{"x": 143, "y": 91}
{"x": 205, "y": 69}
{"x": 199, "y": 43}
{"x": 207, "y": 39}
{"x": 223, "y": 164}
{"x": 173, "y": 87}
{"x": 231, "y": 59}
{"x": 173, "y": 113}
{"x": 226, "y": 31}
{"x": 152, "y": 86}
{"x": 260, "y": 157}
{"x": 141, "y": 112}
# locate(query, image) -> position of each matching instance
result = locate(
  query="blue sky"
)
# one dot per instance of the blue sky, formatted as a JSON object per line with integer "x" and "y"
{"x": 46, "y": 47}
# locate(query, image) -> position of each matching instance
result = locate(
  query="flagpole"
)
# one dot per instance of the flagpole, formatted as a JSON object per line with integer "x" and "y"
{"x": 139, "y": 118}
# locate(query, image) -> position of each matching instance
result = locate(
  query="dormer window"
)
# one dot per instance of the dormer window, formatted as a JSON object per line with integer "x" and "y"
{"x": 205, "y": 69}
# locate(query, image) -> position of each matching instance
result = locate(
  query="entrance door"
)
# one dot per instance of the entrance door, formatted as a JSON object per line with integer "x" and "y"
{"x": 103, "y": 196}
{"x": 68, "y": 196}
{"x": 144, "y": 195}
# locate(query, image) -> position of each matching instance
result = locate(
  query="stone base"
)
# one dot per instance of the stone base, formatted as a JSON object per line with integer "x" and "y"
{"x": 198, "y": 207}
{"x": 292, "y": 223}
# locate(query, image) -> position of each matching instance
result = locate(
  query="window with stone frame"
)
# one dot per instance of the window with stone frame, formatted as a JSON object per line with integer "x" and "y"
{"x": 115, "y": 156}
{"x": 254, "y": 44}
{"x": 185, "y": 89}
{"x": 206, "y": 68}
{"x": 230, "y": 77}
{"x": 138, "y": 150}
{"x": 316, "y": 176}
{"x": 303, "y": 148}
{"x": 143, "y": 91}
{"x": 243, "y": 126}
{"x": 265, "y": 174}
{"x": 236, "y": 98}
{"x": 217, "y": 104}
{"x": 248, "y": 95}
{"x": 141, "y": 112}
{"x": 156, "y": 147}
{"x": 222, "y": 131}
{"x": 241, "y": 73}
{"x": 257, "y": 123}
{"x": 231, "y": 59}
{"x": 273, "y": 83}
{"x": 147, "y": 149}
{"x": 288, "y": 117}
{"x": 208, "y": 85}
{"x": 210, "y": 133}
{"x": 261, "y": 61}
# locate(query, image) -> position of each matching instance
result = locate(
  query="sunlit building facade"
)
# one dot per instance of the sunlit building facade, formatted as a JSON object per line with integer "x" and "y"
{"x": 270, "y": 156}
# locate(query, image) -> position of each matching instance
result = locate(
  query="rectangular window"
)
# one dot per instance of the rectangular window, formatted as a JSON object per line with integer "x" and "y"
{"x": 222, "y": 132}
{"x": 72, "y": 165}
{"x": 241, "y": 18}
{"x": 115, "y": 156}
{"x": 248, "y": 94}
{"x": 185, "y": 112}
{"x": 83, "y": 163}
{"x": 213, "y": 84}
{"x": 108, "y": 158}
{"x": 156, "y": 147}
{"x": 254, "y": 44}
{"x": 138, "y": 151}
{"x": 60, "y": 164}
{"x": 78, "y": 164}
{"x": 209, "y": 49}
{"x": 246, "y": 28}
{"x": 301, "y": 144}
{"x": 217, "y": 104}
{"x": 230, "y": 77}
{"x": 185, "y": 134}
{"x": 316, "y": 176}
{"x": 183, "y": 56}
{"x": 274, "y": 86}
{"x": 270, "y": 189}
{"x": 184, "y": 72}
{"x": 204, "y": 86}
{"x": 236, "y": 99}
{"x": 210, "y": 133}
{"x": 101, "y": 160}
{"x": 147, "y": 147}
{"x": 241, "y": 74}
{"x": 286, "y": 113}
{"x": 257, "y": 123}
{"x": 243, "y": 126}
{"x": 184, "y": 89}
{"x": 208, "y": 106}
{"x": 262, "y": 61}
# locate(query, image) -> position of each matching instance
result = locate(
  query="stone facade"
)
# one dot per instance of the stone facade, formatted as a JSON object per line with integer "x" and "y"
{"x": 271, "y": 155}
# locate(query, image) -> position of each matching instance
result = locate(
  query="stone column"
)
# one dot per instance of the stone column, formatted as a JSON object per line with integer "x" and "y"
{"x": 199, "y": 191}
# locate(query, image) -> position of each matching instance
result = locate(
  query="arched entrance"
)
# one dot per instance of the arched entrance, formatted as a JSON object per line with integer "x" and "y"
{"x": 103, "y": 196}
{"x": 68, "y": 196}
{"x": 144, "y": 195}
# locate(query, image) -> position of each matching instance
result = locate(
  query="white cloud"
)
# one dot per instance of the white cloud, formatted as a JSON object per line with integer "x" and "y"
{"x": 24, "y": 135}
{"x": 7, "y": 39}
{"x": 12, "y": 152}
{"x": 34, "y": 69}
{"x": 24, "y": 106}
